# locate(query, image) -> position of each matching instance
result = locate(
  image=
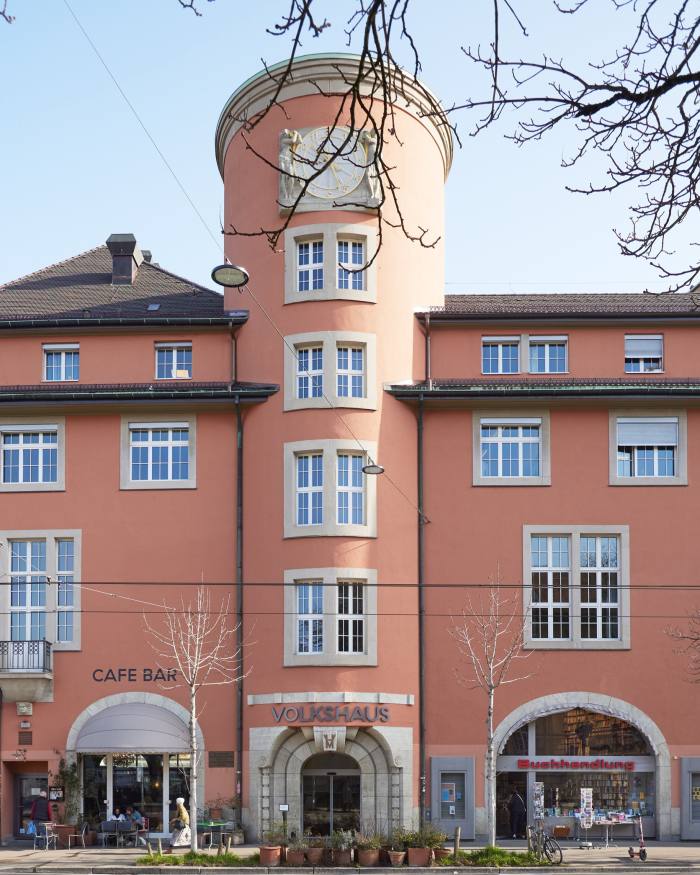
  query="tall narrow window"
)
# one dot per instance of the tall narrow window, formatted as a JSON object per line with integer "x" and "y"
{"x": 309, "y": 617}
{"x": 351, "y": 257}
{"x": 350, "y": 489}
{"x": 600, "y": 569}
{"x": 29, "y": 457}
{"x": 351, "y": 372}
{"x": 548, "y": 356}
{"x": 510, "y": 449}
{"x": 644, "y": 353}
{"x": 550, "y": 569}
{"x": 351, "y": 617}
{"x": 647, "y": 447}
{"x": 310, "y": 372}
{"x": 61, "y": 362}
{"x": 500, "y": 356}
{"x": 309, "y": 265}
{"x": 28, "y": 585}
{"x": 309, "y": 480}
{"x": 173, "y": 361}
{"x": 65, "y": 561}
{"x": 159, "y": 453}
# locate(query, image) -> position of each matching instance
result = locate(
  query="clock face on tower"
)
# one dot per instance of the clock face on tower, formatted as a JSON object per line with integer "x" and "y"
{"x": 343, "y": 175}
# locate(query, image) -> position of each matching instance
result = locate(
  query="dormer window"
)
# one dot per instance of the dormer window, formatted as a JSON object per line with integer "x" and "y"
{"x": 61, "y": 362}
{"x": 644, "y": 353}
{"x": 173, "y": 361}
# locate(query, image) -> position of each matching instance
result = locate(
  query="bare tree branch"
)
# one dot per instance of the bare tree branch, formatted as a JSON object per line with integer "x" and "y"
{"x": 4, "y": 14}
{"x": 689, "y": 645}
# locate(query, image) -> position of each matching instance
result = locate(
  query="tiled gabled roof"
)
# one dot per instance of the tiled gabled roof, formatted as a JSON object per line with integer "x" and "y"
{"x": 537, "y": 306}
{"x": 81, "y": 288}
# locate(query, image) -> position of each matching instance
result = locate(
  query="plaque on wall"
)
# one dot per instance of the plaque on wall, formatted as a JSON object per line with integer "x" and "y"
{"x": 221, "y": 759}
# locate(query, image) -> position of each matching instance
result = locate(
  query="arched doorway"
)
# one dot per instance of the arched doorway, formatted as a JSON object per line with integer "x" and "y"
{"x": 330, "y": 788}
{"x": 570, "y": 741}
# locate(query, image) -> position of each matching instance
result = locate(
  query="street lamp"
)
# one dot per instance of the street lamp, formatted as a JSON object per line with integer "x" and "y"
{"x": 372, "y": 467}
{"x": 233, "y": 276}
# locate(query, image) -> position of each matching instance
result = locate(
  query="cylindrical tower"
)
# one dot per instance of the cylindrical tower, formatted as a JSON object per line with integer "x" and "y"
{"x": 331, "y": 723}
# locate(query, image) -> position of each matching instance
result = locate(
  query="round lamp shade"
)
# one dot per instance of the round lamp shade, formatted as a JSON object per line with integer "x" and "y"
{"x": 230, "y": 275}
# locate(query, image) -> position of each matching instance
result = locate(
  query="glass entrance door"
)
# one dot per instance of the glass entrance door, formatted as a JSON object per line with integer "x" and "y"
{"x": 331, "y": 801}
{"x": 27, "y": 788}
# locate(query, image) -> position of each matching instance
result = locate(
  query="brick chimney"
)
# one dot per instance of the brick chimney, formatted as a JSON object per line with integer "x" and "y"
{"x": 126, "y": 258}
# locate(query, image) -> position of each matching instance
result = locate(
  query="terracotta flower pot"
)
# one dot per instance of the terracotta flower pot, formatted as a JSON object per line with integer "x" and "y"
{"x": 314, "y": 856}
{"x": 419, "y": 856}
{"x": 367, "y": 856}
{"x": 441, "y": 853}
{"x": 270, "y": 855}
{"x": 295, "y": 858}
{"x": 342, "y": 857}
{"x": 396, "y": 858}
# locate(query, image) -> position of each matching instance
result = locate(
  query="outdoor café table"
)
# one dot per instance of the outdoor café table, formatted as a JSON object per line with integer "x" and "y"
{"x": 607, "y": 824}
{"x": 208, "y": 829}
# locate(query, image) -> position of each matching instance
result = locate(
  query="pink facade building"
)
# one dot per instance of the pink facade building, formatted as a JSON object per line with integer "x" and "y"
{"x": 155, "y": 435}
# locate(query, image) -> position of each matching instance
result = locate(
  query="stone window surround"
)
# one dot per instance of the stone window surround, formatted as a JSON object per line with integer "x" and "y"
{"x": 125, "y": 481}
{"x": 545, "y": 478}
{"x": 329, "y": 528}
{"x": 681, "y": 478}
{"x": 523, "y": 351}
{"x": 330, "y": 577}
{"x": 330, "y": 232}
{"x": 576, "y": 642}
{"x": 35, "y": 423}
{"x": 50, "y": 536}
{"x": 330, "y": 341}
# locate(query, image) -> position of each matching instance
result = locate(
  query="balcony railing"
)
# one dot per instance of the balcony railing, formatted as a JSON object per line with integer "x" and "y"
{"x": 25, "y": 656}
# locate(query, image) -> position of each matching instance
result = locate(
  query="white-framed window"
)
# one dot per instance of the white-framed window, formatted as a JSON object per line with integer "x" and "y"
{"x": 309, "y": 372}
{"x": 309, "y": 620}
{"x": 326, "y": 491}
{"x": 350, "y": 364}
{"x": 351, "y": 489}
{"x": 500, "y": 355}
{"x": 336, "y": 367}
{"x": 330, "y": 616}
{"x": 577, "y": 587}
{"x": 644, "y": 353}
{"x": 351, "y": 617}
{"x": 511, "y": 450}
{"x": 309, "y": 491}
{"x": 548, "y": 355}
{"x": 41, "y": 601}
{"x": 351, "y": 257}
{"x": 32, "y": 454}
{"x": 326, "y": 261}
{"x": 61, "y": 362}
{"x": 648, "y": 448}
{"x": 158, "y": 454}
{"x": 550, "y": 581}
{"x": 310, "y": 272}
{"x": 173, "y": 361}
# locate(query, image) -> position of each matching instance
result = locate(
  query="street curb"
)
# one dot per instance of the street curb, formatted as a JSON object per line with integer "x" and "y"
{"x": 660, "y": 868}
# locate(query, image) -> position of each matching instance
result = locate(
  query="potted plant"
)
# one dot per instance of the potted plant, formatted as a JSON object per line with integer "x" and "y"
{"x": 341, "y": 842}
{"x": 296, "y": 851}
{"x": 419, "y": 854}
{"x": 271, "y": 847}
{"x": 435, "y": 840}
{"x": 367, "y": 845}
{"x": 396, "y": 847}
{"x": 314, "y": 851}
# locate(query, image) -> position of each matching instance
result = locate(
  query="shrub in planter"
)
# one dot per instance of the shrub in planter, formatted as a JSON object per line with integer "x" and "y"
{"x": 367, "y": 847}
{"x": 296, "y": 852}
{"x": 396, "y": 847}
{"x": 314, "y": 851}
{"x": 341, "y": 843}
{"x": 271, "y": 846}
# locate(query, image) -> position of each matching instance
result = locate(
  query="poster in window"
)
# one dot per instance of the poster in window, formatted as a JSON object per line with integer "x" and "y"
{"x": 449, "y": 793}
{"x": 538, "y": 800}
{"x": 586, "y": 807}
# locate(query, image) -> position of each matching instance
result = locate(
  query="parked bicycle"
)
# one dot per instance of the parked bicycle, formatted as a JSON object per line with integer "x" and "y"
{"x": 543, "y": 846}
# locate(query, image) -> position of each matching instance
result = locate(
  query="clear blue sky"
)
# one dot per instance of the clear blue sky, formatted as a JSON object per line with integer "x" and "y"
{"x": 75, "y": 165}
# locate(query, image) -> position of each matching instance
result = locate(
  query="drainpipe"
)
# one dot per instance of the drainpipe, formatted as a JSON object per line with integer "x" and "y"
{"x": 428, "y": 363}
{"x": 239, "y": 602}
{"x": 421, "y": 620}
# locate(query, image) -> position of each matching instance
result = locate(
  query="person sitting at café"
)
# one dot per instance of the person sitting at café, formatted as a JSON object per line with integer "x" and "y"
{"x": 116, "y": 815}
{"x": 134, "y": 815}
{"x": 181, "y": 835}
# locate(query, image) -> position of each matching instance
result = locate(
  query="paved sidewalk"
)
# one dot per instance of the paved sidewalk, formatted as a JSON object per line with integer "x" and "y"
{"x": 663, "y": 858}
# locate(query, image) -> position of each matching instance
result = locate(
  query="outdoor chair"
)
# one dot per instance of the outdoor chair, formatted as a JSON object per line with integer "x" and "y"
{"x": 108, "y": 831}
{"x": 126, "y": 833}
{"x": 79, "y": 836}
{"x": 45, "y": 836}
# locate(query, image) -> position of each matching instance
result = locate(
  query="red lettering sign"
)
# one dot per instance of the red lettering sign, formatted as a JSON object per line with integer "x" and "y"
{"x": 597, "y": 765}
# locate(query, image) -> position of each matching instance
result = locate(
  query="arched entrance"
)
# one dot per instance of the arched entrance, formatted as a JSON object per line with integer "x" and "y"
{"x": 572, "y": 740}
{"x": 330, "y": 790}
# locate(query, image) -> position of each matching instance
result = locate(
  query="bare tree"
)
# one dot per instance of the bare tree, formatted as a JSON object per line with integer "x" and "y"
{"x": 689, "y": 645}
{"x": 198, "y": 642}
{"x": 490, "y": 637}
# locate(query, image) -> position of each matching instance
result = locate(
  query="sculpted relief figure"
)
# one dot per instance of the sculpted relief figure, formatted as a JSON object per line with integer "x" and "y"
{"x": 289, "y": 186}
{"x": 368, "y": 139}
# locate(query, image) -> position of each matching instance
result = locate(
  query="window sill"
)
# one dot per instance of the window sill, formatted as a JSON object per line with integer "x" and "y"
{"x": 335, "y": 402}
{"x": 137, "y": 485}
{"x": 172, "y": 379}
{"x": 330, "y": 294}
{"x": 300, "y": 660}
{"x": 511, "y": 481}
{"x": 648, "y": 481}
{"x": 54, "y": 382}
{"x": 32, "y": 487}
{"x": 329, "y": 530}
{"x": 544, "y": 644}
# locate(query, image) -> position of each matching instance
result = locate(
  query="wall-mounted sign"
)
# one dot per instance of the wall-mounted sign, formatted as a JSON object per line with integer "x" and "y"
{"x": 331, "y": 714}
{"x": 562, "y": 765}
{"x": 24, "y": 709}
{"x": 56, "y": 794}
{"x": 134, "y": 675}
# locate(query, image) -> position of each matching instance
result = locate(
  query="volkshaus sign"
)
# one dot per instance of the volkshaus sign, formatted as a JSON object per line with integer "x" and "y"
{"x": 331, "y": 714}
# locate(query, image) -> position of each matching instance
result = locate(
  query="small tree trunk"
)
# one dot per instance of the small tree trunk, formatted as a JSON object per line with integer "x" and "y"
{"x": 193, "y": 769}
{"x": 490, "y": 772}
